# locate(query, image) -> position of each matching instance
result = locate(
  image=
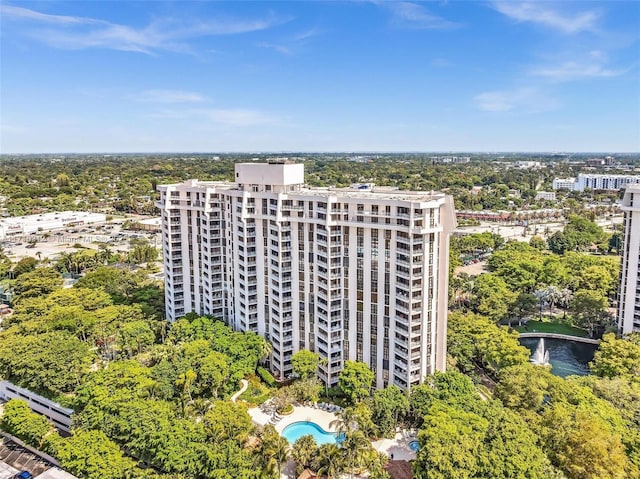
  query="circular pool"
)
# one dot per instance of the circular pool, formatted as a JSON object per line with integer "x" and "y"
{"x": 296, "y": 430}
{"x": 414, "y": 446}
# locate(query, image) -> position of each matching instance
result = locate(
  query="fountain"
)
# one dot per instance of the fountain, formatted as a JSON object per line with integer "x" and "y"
{"x": 540, "y": 357}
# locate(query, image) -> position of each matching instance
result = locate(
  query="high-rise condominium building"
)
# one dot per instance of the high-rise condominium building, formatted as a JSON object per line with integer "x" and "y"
{"x": 356, "y": 273}
{"x": 629, "y": 297}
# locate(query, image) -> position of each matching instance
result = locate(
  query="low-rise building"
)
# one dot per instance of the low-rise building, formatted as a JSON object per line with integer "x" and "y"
{"x": 546, "y": 195}
{"x": 54, "y": 412}
{"x": 564, "y": 184}
{"x": 24, "y": 225}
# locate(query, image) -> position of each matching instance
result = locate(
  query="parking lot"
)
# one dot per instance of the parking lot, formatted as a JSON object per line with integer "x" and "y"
{"x": 48, "y": 245}
{"x": 16, "y": 458}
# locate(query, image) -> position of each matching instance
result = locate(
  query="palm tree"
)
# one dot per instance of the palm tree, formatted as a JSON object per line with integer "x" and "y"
{"x": 553, "y": 295}
{"x": 376, "y": 464}
{"x": 356, "y": 449}
{"x": 303, "y": 450}
{"x": 566, "y": 296}
{"x": 273, "y": 451}
{"x": 266, "y": 348}
{"x": 346, "y": 422}
{"x": 330, "y": 461}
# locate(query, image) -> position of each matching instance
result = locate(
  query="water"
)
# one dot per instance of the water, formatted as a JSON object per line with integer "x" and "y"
{"x": 566, "y": 357}
{"x": 296, "y": 430}
{"x": 541, "y": 355}
{"x": 414, "y": 446}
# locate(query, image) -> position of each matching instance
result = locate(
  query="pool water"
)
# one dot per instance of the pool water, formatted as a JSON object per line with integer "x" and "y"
{"x": 296, "y": 430}
{"x": 414, "y": 446}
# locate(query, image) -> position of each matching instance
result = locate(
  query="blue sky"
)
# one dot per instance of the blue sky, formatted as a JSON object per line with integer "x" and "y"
{"x": 319, "y": 76}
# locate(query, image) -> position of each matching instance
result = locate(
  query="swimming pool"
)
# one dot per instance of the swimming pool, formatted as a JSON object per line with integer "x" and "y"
{"x": 298, "y": 429}
{"x": 414, "y": 446}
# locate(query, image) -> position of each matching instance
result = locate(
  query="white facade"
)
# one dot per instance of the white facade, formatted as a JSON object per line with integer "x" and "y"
{"x": 528, "y": 164}
{"x": 564, "y": 184}
{"x": 23, "y": 225}
{"x": 605, "y": 182}
{"x": 347, "y": 273}
{"x": 58, "y": 415}
{"x": 629, "y": 297}
{"x": 546, "y": 195}
{"x": 595, "y": 182}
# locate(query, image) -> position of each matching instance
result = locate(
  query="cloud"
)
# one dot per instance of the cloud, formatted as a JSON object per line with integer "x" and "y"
{"x": 412, "y": 15}
{"x": 568, "y": 71}
{"x": 170, "y": 96}
{"x": 522, "y": 100}
{"x": 169, "y": 34}
{"x": 9, "y": 11}
{"x": 543, "y": 14}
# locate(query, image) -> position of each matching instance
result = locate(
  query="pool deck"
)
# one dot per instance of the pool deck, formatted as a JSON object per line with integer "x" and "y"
{"x": 398, "y": 446}
{"x": 300, "y": 413}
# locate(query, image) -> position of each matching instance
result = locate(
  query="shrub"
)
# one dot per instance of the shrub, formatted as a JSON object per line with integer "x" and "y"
{"x": 266, "y": 376}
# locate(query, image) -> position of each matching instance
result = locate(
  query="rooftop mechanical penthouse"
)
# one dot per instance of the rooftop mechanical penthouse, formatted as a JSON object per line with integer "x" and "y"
{"x": 350, "y": 273}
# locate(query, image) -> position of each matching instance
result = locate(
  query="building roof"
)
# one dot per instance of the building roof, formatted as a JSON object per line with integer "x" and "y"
{"x": 308, "y": 474}
{"x": 55, "y": 473}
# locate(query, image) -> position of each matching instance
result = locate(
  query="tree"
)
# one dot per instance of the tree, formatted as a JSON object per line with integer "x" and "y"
{"x": 355, "y": 380}
{"x": 273, "y": 451}
{"x": 142, "y": 252}
{"x": 524, "y": 306}
{"x": 93, "y": 455}
{"x": 50, "y": 363}
{"x": 492, "y": 442}
{"x": 473, "y": 339}
{"x": 618, "y": 357}
{"x": 524, "y": 386}
{"x": 303, "y": 451}
{"x": 492, "y": 297}
{"x": 388, "y": 405}
{"x": 582, "y": 444}
{"x": 329, "y": 461}
{"x": 590, "y": 307}
{"x": 305, "y": 363}
{"x": 39, "y": 282}
{"x": 18, "y": 420}
{"x": 25, "y": 265}
{"x": 538, "y": 243}
{"x": 227, "y": 420}
{"x": 356, "y": 450}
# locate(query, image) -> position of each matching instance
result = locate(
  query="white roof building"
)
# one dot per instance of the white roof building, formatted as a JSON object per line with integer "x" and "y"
{"x": 24, "y": 225}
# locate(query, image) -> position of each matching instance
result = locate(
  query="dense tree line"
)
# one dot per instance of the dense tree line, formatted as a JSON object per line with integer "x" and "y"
{"x": 526, "y": 280}
{"x": 127, "y": 184}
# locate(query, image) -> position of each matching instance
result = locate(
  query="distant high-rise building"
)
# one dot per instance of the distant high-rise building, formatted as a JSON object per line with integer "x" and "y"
{"x": 356, "y": 273}
{"x": 629, "y": 297}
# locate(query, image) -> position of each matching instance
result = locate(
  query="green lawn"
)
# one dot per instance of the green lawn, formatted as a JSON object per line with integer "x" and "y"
{"x": 546, "y": 327}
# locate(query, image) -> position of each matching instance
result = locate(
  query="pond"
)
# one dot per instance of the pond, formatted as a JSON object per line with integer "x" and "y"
{"x": 566, "y": 357}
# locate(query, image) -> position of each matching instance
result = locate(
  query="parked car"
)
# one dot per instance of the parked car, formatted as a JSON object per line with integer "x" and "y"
{"x": 23, "y": 475}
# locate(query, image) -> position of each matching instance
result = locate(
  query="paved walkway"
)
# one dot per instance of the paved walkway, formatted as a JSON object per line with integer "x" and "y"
{"x": 245, "y": 385}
